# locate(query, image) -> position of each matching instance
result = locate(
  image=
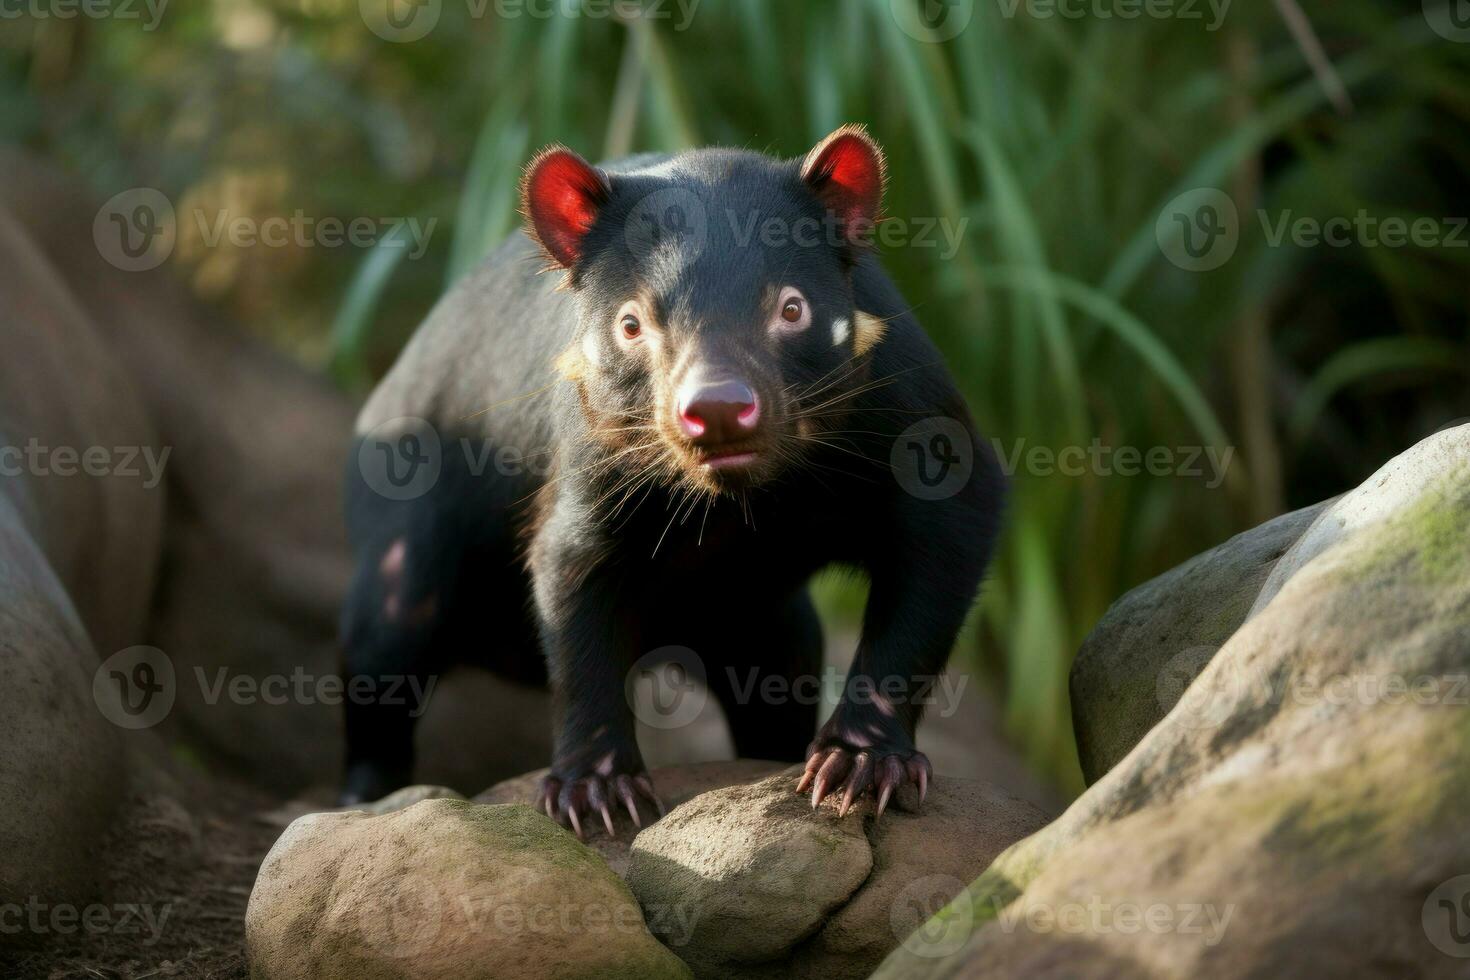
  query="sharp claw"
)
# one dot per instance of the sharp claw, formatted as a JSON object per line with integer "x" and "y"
{"x": 812, "y": 765}
{"x": 607, "y": 821}
{"x": 829, "y": 777}
{"x": 625, "y": 792}
{"x": 597, "y": 800}
{"x": 923, "y": 784}
{"x": 883, "y": 799}
{"x": 889, "y": 777}
{"x": 549, "y": 791}
{"x": 646, "y": 785}
{"x": 857, "y": 783}
{"x": 576, "y": 824}
{"x": 819, "y": 791}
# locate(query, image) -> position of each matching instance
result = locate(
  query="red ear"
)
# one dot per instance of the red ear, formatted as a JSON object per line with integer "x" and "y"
{"x": 560, "y": 196}
{"x": 846, "y": 172}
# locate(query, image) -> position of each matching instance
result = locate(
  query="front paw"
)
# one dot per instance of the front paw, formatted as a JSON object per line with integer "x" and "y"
{"x": 572, "y": 793}
{"x": 857, "y": 766}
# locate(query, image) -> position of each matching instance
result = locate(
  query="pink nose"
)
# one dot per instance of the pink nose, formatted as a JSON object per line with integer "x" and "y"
{"x": 725, "y": 411}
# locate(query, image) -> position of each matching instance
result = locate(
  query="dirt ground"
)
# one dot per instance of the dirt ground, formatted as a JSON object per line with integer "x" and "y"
{"x": 179, "y": 889}
{"x": 188, "y": 844}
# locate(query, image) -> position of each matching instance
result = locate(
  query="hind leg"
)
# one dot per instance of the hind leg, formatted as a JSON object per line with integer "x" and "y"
{"x": 390, "y": 625}
{"x": 768, "y": 680}
{"x": 438, "y": 582}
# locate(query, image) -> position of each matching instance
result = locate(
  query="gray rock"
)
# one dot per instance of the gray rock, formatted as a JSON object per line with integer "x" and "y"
{"x": 1299, "y": 811}
{"x": 406, "y": 797}
{"x": 249, "y": 532}
{"x": 748, "y": 881}
{"x": 444, "y": 890}
{"x": 1151, "y": 644}
{"x": 674, "y": 784}
{"x": 78, "y": 555}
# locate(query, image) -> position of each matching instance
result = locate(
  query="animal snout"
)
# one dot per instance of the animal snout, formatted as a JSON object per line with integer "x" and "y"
{"x": 719, "y": 412}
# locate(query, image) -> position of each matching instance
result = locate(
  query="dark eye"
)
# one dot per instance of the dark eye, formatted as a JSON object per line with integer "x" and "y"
{"x": 793, "y": 314}
{"x": 631, "y": 327}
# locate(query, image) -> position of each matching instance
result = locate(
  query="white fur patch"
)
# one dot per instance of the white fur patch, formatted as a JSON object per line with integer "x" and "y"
{"x": 589, "y": 349}
{"x": 841, "y": 330}
{"x": 870, "y": 331}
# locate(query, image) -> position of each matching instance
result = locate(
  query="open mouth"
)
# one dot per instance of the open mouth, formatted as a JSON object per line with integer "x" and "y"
{"x": 728, "y": 459}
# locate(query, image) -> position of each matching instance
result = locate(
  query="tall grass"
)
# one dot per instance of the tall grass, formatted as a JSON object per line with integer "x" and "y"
{"x": 1059, "y": 142}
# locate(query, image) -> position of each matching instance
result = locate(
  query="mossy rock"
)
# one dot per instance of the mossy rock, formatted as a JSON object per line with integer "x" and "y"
{"x": 1300, "y": 809}
{"x": 1151, "y": 644}
{"x": 444, "y": 889}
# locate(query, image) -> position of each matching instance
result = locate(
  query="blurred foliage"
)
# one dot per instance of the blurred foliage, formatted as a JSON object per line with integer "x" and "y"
{"x": 1059, "y": 139}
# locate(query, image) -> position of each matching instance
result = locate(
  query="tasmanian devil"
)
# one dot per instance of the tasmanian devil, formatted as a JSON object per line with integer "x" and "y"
{"x": 644, "y": 424}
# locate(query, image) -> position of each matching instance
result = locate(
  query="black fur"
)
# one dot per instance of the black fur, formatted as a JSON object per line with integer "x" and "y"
{"x": 596, "y": 568}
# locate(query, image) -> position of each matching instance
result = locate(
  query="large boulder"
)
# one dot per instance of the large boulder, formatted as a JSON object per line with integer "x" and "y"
{"x": 1152, "y": 643}
{"x": 251, "y": 554}
{"x": 1299, "y": 811}
{"x": 749, "y": 881}
{"x": 444, "y": 889}
{"x": 78, "y": 559}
